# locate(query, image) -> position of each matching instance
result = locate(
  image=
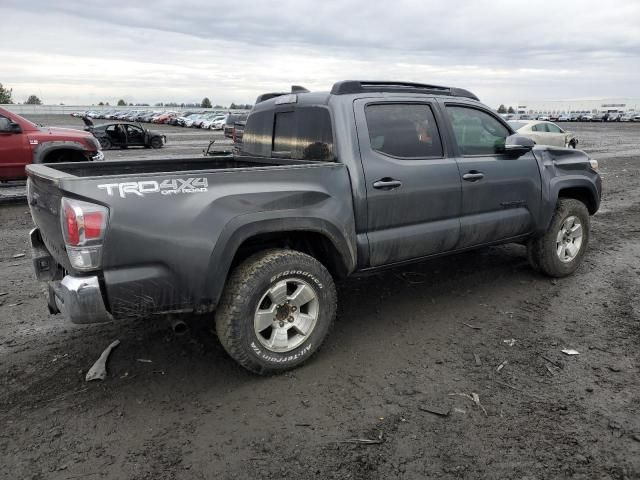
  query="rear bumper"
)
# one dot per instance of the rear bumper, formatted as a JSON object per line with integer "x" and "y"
{"x": 79, "y": 299}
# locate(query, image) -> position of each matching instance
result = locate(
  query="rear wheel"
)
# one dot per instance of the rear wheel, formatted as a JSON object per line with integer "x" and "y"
{"x": 156, "y": 142}
{"x": 560, "y": 250}
{"x": 276, "y": 310}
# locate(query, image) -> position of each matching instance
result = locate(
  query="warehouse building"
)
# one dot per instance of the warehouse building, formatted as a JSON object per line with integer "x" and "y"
{"x": 601, "y": 105}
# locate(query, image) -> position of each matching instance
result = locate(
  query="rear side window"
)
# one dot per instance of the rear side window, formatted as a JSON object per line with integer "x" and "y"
{"x": 477, "y": 132}
{"x": 540, "y": 127}
{"x": 256, "y": 139}
{"x": 403, "y": 130}
{"x": 553, "y": 128}
{"x": 303, "y": 134}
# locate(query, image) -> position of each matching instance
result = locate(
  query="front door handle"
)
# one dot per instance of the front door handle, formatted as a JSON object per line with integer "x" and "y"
{"x": 387, "y": 183}
{"x": 473, "y": 176}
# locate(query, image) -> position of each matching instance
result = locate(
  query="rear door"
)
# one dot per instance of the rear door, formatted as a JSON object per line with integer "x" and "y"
{"x": 501, "y": 195}
{"x": 412, "y": 181}
{"x": 557, "y": 136}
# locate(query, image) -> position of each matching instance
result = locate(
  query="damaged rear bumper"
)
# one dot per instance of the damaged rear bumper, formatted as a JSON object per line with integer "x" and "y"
{"x": 79, "y": 299}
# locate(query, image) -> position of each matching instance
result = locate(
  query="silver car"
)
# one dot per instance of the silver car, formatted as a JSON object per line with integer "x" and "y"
{"x": 545, "y": 133}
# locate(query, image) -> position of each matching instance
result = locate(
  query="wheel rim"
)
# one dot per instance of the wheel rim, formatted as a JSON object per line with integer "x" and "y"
{"x": 286, "y": 315}
{"x": 569, "y": 239}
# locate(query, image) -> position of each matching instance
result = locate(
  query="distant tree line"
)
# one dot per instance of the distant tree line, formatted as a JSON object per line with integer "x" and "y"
{"x": 503, "y": 109}
{"x": 6, "y": 97}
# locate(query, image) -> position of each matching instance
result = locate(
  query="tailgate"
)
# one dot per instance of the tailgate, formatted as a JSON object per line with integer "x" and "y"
{"x": 44, "y": 197}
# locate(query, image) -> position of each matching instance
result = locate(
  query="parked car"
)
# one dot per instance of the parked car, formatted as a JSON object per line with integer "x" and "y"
{"x": 229, "y": 125}
{"x": 586, "y": 117}
{"x": 636, "y": 118}
{"x": 125, "y": 135}
{"x": 545, "y": 133}
{"x": 260, "y": 237}
{"x": 543, "y": 117}
{"x": 218, "y": 122}
{"x": 563, "y": 117}
{"x": 211, "y": 118}
{"x": 23, "y": 142}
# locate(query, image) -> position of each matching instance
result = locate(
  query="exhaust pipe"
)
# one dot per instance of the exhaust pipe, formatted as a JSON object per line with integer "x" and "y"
{"x": 179, "y": 327}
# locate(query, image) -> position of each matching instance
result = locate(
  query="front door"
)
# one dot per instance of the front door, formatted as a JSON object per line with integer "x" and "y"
{"x": 501, "y": 195}
{"x": 15, "y": 151}
{"x": 412, "y": 181}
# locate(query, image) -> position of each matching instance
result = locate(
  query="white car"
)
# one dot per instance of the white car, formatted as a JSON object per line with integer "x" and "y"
{"x": 563, "y": 117}
{"x": 543, "y": 117}
{"x": 545, "y": 133}
{"x": 212, "y": 122}
{"x": 218, "y": 122}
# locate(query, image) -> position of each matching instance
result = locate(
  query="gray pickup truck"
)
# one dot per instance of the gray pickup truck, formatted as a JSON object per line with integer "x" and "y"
{"x": 325, "y": 185}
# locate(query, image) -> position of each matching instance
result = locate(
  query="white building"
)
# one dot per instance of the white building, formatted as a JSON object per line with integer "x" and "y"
{"x": 600, "y": 105}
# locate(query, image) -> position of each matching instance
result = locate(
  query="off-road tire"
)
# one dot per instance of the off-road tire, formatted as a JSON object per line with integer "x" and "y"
{"x": 542, "y": 251}
{"x": 245, "y": 288}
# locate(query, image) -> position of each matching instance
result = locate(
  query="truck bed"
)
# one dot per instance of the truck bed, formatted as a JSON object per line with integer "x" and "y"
{"x": 164, "y": 165}
{"x": 174, "y": 225}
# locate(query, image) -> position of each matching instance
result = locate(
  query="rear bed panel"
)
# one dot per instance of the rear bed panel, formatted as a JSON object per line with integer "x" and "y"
{"x": 164, "y": 228}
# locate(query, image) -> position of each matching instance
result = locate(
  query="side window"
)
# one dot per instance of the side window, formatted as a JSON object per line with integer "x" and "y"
{"x": 4, "y": 124}
{"x": 540, "y": 127}
{"x": 477, "y": 132}
{"x": 256, "y": 139}
{"x": 303, "y": 134}
{"x": 403, "y": 130}
{"x": 553, "y": 128}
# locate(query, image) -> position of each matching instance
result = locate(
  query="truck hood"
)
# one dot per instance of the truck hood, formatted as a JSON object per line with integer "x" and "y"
{"x": 66, "y": 132}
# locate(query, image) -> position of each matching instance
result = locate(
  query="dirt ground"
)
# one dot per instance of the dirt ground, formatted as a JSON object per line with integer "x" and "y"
{"x": 404, "y": 346}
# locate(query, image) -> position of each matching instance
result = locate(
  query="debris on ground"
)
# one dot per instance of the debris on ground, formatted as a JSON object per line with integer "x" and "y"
{"x": 476, "y": 357}
{"x": 475, "y": 327}
{"x": 144, "y": 360}
{"x": 99, "y": 369}
{"x": 365, "y": 441}
{"x": 18, "y": 255}
{"x": 570, "y": 351}
{"x": 475, "y": 398}
{"x": 441, "y": 411}
{"x": 501, "y": 366}
{"x": 510, "y": 342}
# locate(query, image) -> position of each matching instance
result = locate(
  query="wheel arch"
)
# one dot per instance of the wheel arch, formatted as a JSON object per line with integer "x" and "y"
{"x": 582, "y": 193}
{"x": 315, "y": 236}
{"x": 44, "y": 150}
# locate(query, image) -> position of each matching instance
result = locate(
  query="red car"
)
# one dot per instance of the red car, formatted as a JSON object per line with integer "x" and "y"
{"x": 23, "y": 142}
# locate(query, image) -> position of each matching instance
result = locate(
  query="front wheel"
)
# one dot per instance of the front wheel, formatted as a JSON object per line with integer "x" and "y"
{"x": 560, "y": 250}
{"x": 156, "y": 142}
{"x": 276, "y": 310}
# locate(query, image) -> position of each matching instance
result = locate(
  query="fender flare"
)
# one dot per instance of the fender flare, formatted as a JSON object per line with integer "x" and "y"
{"x": 243, "y": 227}
{"x": 45, "y": 148}
{"x": 558, "y": 184}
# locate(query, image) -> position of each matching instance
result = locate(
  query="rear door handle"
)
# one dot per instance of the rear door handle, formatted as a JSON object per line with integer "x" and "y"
{"x": 387, "y": 184}
{"x": 473, "y": 176}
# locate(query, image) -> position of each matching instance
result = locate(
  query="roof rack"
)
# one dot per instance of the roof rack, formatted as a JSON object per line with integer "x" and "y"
{"x": 363, "y": 86}
{"x": 267, "y": 96}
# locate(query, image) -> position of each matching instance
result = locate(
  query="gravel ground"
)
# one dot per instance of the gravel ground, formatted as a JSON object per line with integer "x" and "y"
{"x": 405, "y": 345}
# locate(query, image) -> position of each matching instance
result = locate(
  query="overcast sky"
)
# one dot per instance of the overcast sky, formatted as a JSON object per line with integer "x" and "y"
{"x": 84, "y": 51}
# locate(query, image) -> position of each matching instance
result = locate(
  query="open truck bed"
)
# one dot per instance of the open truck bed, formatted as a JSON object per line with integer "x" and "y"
{"x": 173, "y": 226}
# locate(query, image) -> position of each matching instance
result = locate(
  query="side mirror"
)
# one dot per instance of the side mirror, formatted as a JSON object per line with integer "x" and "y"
{"x": 14, "y": 128}
{"x": 517, "y": 145}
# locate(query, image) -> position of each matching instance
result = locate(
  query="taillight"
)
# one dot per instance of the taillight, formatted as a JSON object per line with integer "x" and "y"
{"x": 83, "y": 227}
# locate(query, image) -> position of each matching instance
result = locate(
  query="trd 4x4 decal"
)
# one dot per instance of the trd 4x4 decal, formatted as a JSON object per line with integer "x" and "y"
{"x": 165, "y": 187}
